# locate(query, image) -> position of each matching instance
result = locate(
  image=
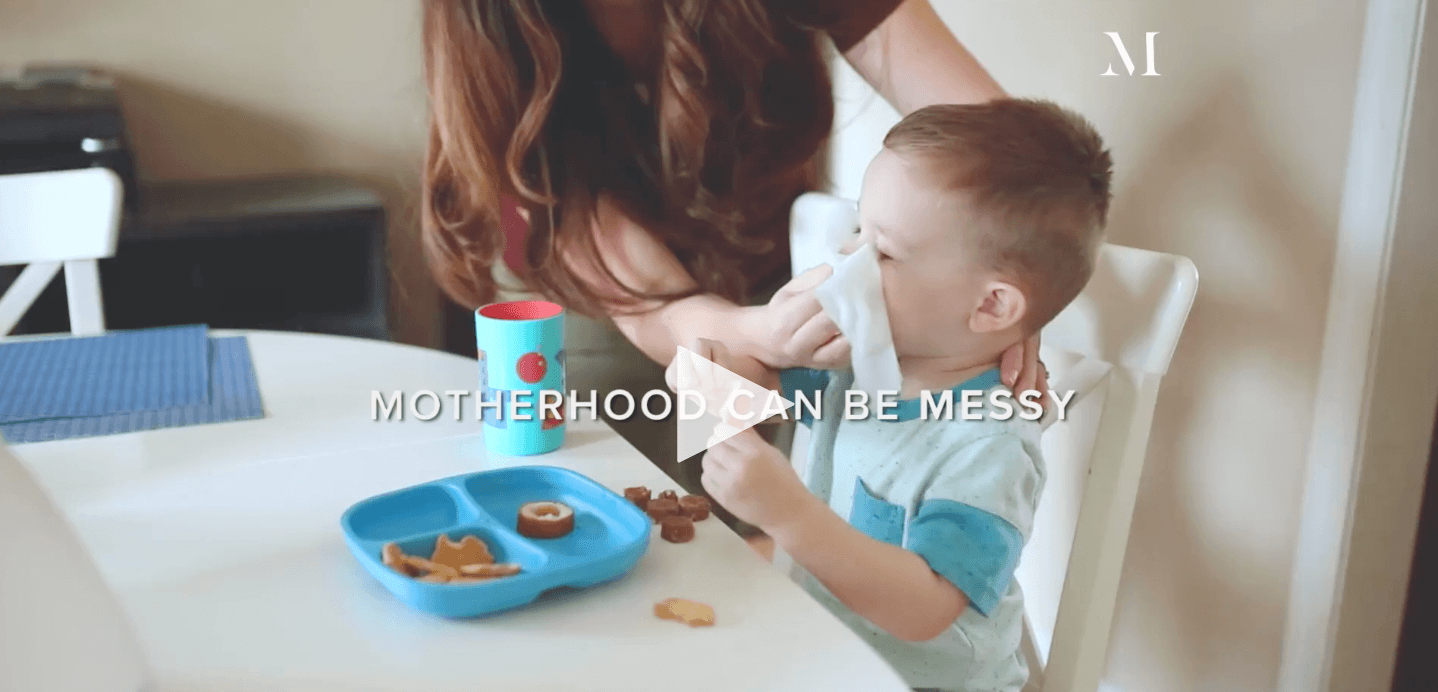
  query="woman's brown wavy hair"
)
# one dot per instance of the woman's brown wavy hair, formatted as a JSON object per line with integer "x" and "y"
{"x": 529, "y": 103}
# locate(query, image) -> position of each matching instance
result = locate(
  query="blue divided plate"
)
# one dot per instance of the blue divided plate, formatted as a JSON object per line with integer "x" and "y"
{"x": 610, "y": 535}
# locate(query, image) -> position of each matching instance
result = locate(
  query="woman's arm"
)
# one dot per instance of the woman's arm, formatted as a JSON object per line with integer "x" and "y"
{"x": 913, "y": 60}
{"x": 643, "y": 264}
{"x": 790, "y": 329}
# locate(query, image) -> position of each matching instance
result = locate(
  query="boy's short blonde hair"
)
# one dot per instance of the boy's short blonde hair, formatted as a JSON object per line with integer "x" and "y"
{"x": 1038, "y": 177}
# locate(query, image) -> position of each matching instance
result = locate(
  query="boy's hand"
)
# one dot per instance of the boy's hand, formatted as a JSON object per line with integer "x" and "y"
{"x": 755, "y": 482}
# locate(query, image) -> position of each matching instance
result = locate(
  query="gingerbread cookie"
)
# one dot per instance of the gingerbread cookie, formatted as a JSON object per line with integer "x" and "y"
{"x": 489, "y": 571}
{"x": 689, "y": 612}
{"x": 394, "y": 558}
{"x": 467, "y": 551}
{"x": 466, "y": 561}
{"x": 432, "y": 570}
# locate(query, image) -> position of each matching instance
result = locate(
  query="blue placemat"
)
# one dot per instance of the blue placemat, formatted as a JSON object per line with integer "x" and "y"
{"x": 234, "y": 395}
{"x": 139, "y": 370}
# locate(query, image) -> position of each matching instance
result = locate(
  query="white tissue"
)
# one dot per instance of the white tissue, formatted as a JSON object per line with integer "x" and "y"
{"x": 854, "y": 298}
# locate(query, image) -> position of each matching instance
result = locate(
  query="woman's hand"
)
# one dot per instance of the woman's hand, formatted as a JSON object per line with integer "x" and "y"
{"x": 793, "y": 330}
{"x": 1020, "y": 367}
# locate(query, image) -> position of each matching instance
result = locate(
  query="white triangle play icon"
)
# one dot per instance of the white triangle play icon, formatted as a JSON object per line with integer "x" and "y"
{"x": 715, "y": 404}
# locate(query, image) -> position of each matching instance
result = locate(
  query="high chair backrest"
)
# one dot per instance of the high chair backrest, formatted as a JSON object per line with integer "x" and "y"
{"x": 1111, "y": 347}
{"x": 53, "y": 220}
{"x": 61, "y": 628}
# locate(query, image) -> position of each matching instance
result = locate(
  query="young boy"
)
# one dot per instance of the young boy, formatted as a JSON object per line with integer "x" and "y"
{"x": 986, "y": 219}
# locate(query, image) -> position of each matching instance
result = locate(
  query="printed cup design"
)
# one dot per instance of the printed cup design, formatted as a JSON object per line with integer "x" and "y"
{"x": 521, "y": 356}
{"x": 531, "y": 367}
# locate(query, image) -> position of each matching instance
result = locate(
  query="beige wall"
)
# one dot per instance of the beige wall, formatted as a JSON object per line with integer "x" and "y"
{"x": 1234, "y": 157}
{"x": 215, "y": 88}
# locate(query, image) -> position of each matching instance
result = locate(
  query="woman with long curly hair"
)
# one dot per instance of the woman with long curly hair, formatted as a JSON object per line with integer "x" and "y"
{"x": 636, "y": 160}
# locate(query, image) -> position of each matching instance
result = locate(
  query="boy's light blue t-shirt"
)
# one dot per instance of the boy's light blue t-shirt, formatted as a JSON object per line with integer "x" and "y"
{"x": 959, "y": 493}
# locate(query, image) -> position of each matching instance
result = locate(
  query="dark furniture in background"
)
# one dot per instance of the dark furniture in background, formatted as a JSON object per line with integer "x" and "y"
{"x": 61, "y": 117}
{"x": 294, "y": 252}
{"x": 457, "y": 328}
{"x": 1416, "y": 667}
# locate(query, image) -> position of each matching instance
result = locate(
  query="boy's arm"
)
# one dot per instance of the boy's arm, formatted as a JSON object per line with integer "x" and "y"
{"x": 889, "y": 586}
{"x": 960, "y": 548}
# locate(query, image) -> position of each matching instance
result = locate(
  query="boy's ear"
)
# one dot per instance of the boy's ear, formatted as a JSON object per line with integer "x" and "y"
{"x": 1003, "y": 306}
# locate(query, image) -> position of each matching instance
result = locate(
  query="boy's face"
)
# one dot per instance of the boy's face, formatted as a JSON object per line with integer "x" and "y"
{"x": 937, "y": 295}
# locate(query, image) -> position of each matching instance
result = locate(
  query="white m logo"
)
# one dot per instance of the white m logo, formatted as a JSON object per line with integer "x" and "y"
{"x": 1127, "y": 61}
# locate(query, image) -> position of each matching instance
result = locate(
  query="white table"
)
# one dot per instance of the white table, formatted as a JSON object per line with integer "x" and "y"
{"x": 223, "y": 544}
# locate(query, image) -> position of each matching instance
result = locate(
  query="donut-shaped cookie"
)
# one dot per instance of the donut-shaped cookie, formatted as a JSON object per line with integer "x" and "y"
{"x": 545, "y": 520}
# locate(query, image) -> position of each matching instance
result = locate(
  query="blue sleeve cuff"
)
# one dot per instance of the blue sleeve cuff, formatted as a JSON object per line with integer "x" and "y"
{"x": 811, "y": 382}
{"x": 975, "y": 550}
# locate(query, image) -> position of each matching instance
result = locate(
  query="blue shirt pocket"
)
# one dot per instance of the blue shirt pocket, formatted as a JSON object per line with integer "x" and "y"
{"x": 875, "y": 517}
{"x": 975, "y": 550}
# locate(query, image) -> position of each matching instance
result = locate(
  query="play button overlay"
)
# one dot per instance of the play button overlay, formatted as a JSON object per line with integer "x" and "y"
{"x": 715, "y": 404}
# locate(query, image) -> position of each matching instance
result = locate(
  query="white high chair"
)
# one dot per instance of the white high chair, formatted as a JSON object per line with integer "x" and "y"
{"x": 61, "y": 628}
{"x": 58, "y": 219}
{"x": 1112, "y": 347}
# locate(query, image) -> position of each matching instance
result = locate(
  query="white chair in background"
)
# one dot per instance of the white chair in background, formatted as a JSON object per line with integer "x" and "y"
{"x": 59, "y": 219}
{"x": 1112, "y": 347}
{"x": 61, "y": 628}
